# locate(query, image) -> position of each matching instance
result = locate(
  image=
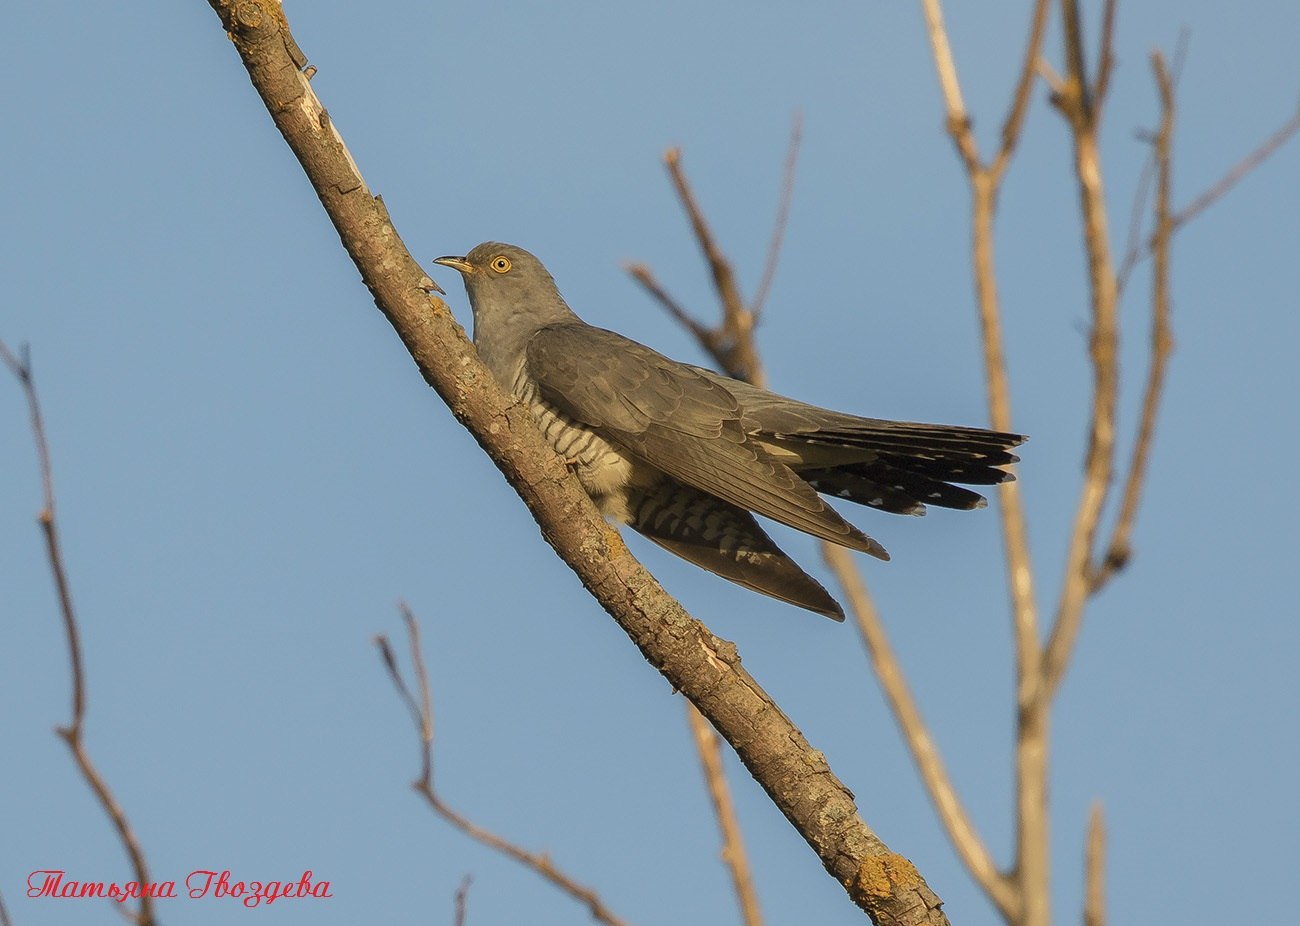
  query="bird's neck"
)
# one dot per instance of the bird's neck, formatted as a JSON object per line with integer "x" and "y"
{"x": 502, "y": 337}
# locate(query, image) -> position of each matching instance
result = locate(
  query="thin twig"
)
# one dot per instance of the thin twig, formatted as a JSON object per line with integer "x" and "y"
{"x": 462, "y": 897}
{"x": 1138, "y": 250}
{"x": 733, "y": 844}
{"x": 1136, "y": 224}
{"x": 422, "y": 707}
{"x": 733, "y": 335}
{"x": 1118, "y": 549}
{"x": 1011, "y": 128}
{"x": 4, "y": 913}
{"x": 1094, "y": 867}
{"x": 1239, "y": 171}
{"x": 1133, "y": 250}
{"x": 72, "y": 734}
{"x": 958, "y": 121}
{"x": 1106, "y": 54}
{"x": 781, "y": 221}
{"x": 723, "y": 276}
{"x": 956, "y": 821}
{"x": 645, "y": 276}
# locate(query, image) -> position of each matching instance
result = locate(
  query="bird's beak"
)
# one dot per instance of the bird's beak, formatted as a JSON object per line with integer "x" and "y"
{"x": 455, "y": 263}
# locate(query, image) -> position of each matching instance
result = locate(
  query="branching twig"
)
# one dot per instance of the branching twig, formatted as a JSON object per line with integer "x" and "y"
{"x": 1117, "y": 549}
{"x": 1137, "y": 249}
{"x": 723, "y": 277}
{"x": 732, "y": 337}
{"x": 733, "y": 844}
{"x": 72, "y": 734}
{"x": 959, "y": 126}
{"x": 422, "y": 715}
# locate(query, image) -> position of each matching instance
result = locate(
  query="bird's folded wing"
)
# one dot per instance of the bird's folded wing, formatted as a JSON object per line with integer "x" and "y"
{"x": 677, "y": 420}
{"x": 967, "y": 454}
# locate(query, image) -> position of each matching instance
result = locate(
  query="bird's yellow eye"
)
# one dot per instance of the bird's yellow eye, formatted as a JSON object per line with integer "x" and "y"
{"x": 500, "y": 263}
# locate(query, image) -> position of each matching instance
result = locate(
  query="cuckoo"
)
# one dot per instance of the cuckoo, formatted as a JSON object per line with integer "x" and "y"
{"x": 686, "y": 457}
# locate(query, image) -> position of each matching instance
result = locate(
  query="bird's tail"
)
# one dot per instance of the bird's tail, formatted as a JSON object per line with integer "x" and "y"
{"x": 911, "y": 465}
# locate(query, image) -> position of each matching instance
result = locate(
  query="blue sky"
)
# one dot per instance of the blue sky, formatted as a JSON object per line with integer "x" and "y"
{"x": 251, "y": 473}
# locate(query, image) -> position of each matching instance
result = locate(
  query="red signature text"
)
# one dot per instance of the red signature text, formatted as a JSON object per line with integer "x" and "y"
{"x": 200, "y": 883}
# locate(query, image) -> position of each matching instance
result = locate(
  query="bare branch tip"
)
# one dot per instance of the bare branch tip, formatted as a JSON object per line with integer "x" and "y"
{"x": 386, "y": 654}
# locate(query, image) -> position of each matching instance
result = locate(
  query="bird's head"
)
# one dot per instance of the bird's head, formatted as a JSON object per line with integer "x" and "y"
{"x": 503, "y": 280}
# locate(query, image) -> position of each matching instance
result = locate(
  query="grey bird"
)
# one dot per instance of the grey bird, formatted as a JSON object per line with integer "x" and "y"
{"x": 683, "y": 455}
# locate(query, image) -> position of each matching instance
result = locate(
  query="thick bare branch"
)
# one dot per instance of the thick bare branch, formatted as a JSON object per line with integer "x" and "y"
{"x": 701, "y": 666}
{"x": 72, "y": 734}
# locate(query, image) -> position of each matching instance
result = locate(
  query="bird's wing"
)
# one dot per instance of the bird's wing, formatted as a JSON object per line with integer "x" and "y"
{"x": 677, "y": 420}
